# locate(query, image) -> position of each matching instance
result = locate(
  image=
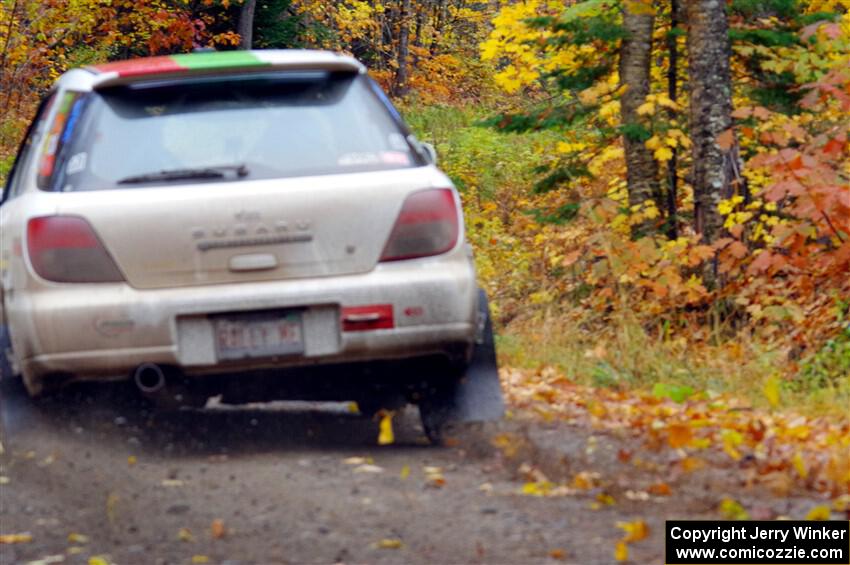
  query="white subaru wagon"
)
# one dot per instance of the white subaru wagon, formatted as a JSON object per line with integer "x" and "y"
{"x": 251, "y": 224}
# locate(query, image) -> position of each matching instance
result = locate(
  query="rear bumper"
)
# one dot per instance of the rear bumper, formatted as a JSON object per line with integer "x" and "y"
{"x": 104, "y": 331}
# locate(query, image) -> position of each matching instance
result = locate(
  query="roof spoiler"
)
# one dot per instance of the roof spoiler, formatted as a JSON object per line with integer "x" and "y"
{"x": 211, "y": 63}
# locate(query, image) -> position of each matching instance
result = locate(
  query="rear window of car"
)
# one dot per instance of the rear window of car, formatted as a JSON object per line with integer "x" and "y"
{"x": 261, "y": 126}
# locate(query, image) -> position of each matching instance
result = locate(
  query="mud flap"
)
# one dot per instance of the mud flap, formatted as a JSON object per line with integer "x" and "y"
{"x": 477, "y": 396}
{"x": 5, "y": 349}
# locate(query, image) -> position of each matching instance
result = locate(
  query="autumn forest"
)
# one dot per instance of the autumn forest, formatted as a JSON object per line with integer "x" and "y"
{"x": 657, "y": 192}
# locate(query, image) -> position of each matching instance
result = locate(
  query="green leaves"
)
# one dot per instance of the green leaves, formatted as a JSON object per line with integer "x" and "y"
{"x": 676, "y": 393}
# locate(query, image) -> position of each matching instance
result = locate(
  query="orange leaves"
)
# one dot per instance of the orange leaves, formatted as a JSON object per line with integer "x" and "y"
{"x": 691, "y": 464}
{"x": 585, "y": 480}
{"x": 679, "y": 435}
{"x": 789, "y": 449}
{"x": 835, "y": 145}
{"x": 660, "y": 489}
{"x": 726, "y": 139}
{"x": 217, "y": 529}
{"x": 738, "y": 250}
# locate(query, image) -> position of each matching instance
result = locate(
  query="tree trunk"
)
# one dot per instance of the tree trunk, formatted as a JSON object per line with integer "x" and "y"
{"x": 672, "y": 94}
{"x": 245, "y": 27}
{"x": 710, "y": 112}
{"x": 641, "y": 168}
{"x": 401, "y": 86}
{"x": 417, "y": 36}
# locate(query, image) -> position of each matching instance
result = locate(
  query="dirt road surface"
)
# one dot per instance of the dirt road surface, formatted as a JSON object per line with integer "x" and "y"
{"x": 92, "y": 474}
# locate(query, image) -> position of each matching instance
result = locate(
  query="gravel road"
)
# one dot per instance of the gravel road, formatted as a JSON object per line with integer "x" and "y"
{"x": 93, "y": 474}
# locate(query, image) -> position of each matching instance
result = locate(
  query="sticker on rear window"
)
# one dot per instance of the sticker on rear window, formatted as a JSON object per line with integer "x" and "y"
{"x": 395, "y": 158}
{"x": 76, "y": 164}
{"x": 355, "y": 159}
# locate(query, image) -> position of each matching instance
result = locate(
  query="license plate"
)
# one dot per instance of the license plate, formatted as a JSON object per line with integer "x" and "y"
{"x": 259, "y": 335}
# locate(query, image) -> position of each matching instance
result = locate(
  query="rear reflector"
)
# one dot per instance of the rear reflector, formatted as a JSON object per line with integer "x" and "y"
{"x": 427, "y": 225}
{"x": 66, "y": 249}
{"x": 372, "y": 317}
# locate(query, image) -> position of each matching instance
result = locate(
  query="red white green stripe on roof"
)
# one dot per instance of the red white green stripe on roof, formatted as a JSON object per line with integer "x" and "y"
{"x": 224, "y": 60}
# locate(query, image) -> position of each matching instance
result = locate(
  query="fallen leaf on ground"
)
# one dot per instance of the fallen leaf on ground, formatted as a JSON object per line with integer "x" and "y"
{"x": 690, "y": 464}
{"x": 731, "y": 440}
{"x": 172, "y": 483}
{"x": 368, "y": 469}
{"x": 217, "y": 529}
{"x": 779, "y": 483}
{"x": 508, "y": 443}
{"x": 820, "y": 512}
{"x": 800, "y": 465}
{"x": 389, "y": 543}
{"x": 354, "y": 461}
{"x": 98, "y": 560}
{"x": 732, "y": 510}
{"x": 434, "y": 477}
{"x": 78, "y": 538}
{"x": 131, "y": 460}
{"x": 16, "y": 538}
{"x": 678, "y": 435}
{"x": 585, "y": 480}
{"x": 385, "y": 429}
{"x": 558, "y": 554}
{"x": 183, "y": 534}
{"x": 405, "y": 472}
{"x": 541, "y": 488}
{"x": 635, "y": 531}
{"x": 842, "y": 503}
{"x": 200, "y": 559}
{"x": 660, "y": 489}
{"x": 771, "y": 391}
{"x": 621, "y": 551}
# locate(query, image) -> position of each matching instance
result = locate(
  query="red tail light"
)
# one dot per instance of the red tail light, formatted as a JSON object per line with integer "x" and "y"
{"x": 427, "y": 225}
{"x": 66, "y": 249}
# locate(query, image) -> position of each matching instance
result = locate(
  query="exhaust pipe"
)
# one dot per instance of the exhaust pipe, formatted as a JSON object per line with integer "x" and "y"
{"x": 149, "y": 378}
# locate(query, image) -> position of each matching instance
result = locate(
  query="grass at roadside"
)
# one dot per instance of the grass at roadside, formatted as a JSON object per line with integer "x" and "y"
{"x": 624, "y": 356}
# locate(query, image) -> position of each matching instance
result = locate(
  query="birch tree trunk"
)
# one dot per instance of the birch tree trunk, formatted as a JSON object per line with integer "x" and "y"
{"x": 635, "y": 56}
{"x": 711, "y": 108}
{"x": 245, "y": 27}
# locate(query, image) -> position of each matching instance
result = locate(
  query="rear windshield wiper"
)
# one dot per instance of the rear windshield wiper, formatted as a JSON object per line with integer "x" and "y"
{"x": 215, "y": 172}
